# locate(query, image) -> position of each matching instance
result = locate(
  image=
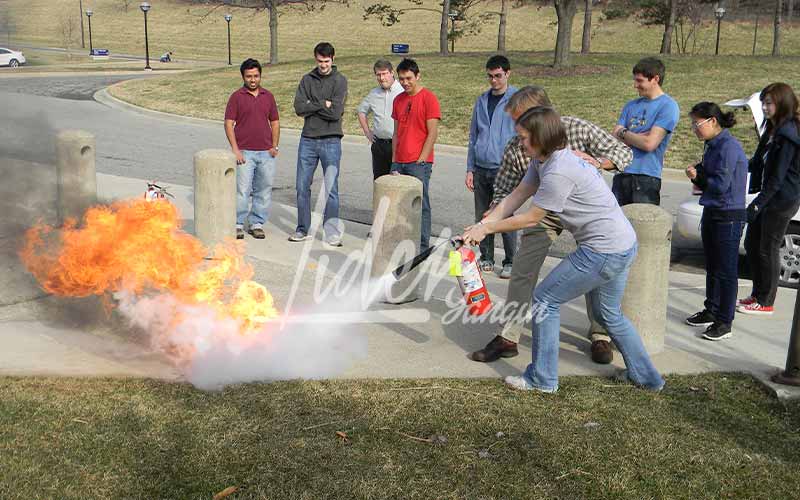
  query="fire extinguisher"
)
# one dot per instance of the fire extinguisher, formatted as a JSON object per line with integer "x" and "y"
{"x": 471, "y": 281}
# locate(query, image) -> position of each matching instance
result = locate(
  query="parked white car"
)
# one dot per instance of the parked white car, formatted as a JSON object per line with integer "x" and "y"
{"x": 690, "y": 210}
{"x": 11, "y": 58}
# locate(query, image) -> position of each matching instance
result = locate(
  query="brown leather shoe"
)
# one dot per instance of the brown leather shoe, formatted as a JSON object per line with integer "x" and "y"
{"x": 601, "y": 352}
{"x": 494, "y": 350}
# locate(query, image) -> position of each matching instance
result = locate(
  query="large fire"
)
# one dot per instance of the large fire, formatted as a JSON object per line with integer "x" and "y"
{"x": 137, "y": 247}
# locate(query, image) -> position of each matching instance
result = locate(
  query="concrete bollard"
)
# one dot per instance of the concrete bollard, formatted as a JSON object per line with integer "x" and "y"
{"x": 645, "y": 300}
{"x": 397, "y": 209}
{"x": 214, "y": 196}
{"x": 75, "y": 173}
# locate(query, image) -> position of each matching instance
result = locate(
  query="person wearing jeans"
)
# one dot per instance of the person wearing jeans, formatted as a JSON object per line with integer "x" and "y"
{"x": 254, "y": 178}
{"x": 320, "y": 100}
{"x": 596, "y": 146}
{"x": 561, "y": 182}
{"x": 490, "y": 129}
{"x": 326, "y": 152}
{"x": 253, "y": 130}
{"x": 416, "y": 117}
{"x": 722, "y": 176}
{"x": 776, "y": 174}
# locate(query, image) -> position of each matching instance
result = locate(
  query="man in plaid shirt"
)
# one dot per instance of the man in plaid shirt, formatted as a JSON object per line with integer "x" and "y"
{"x": 596, "y": 146}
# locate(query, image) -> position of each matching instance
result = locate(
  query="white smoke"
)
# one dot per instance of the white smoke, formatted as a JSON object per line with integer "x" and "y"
{"x": 212, "y": 352}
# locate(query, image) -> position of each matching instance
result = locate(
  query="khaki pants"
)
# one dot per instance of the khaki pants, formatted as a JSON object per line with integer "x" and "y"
{"x": 534, "y": 246}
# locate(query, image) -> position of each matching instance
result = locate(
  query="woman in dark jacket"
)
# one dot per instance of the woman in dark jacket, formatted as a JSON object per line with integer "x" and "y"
{"x": 775, "y": 172}
{"x": 722, "y": 176}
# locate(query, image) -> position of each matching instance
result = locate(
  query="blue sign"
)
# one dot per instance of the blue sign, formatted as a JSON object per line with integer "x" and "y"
{"x": 99, "y": 52}
{"x": 400, "y": 48}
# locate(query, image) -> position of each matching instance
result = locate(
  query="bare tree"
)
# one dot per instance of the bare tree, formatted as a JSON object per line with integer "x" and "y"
{"x": 125, "y": 4}
{"x": 461, "y": 10}
{"x": 669, "y": 26}
{"x": 68, "y": 29}
{"x": 501, "y": 30}
{"x": 271, "y": 6}
{"x": 565, "y": 12}
{"x": 586, "y": 40}
{"x": 789, "y": 11}
{"x": 776, "y": 37}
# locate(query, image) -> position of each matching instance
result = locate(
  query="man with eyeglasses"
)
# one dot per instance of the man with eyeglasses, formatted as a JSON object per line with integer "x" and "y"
{"x": 379, "y": 103}
{"x": 490, "y": 130}
{"x": 646, "y": 125}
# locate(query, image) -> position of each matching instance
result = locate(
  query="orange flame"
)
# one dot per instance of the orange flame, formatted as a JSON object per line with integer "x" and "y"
{"x": 138, "y": 246}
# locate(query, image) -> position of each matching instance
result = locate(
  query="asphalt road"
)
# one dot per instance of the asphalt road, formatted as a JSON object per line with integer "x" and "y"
{"x": 142, "y": 146}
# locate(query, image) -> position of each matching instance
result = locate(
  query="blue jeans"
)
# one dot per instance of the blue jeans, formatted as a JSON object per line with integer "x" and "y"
{"x": 602, "y": 277}
{"x": 254, "y": 177}
{"x": 721, "y": 248}
{"x": 421, "y": 171}
{"x": 483, "y": 181}
{"x": 310, "y": 152}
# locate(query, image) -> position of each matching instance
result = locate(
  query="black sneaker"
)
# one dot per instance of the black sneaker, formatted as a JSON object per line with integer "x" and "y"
{"x": 717, "y": 331}
{"x": 703, "y": 318}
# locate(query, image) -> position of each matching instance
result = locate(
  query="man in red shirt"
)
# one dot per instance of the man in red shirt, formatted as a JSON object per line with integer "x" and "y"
{"x": 252, "y": 128}
{"x": 416, "y": 116}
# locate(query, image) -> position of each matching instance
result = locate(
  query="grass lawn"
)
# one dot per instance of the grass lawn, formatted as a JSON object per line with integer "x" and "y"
{"x": 457, "y": 80}
{"x": 711, "y": 436}
{"x": 187, "y": 29}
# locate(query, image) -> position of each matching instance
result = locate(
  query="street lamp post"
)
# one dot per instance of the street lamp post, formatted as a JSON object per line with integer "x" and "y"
{"x": 453, "y": 16}
{"x": 228, "y": 18}
{"x": 89, "y": 18}
{"x": 83, "y": 38}
{"x": 791, "y": 375}
{"x": 145, "y": 7}
{"x": 719, "y": 13}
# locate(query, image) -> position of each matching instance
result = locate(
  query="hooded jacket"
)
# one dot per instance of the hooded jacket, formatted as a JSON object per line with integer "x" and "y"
{"x": 314, "y": 89}
{"x": 775, "y": 168}
{"x": 488, "y": 136}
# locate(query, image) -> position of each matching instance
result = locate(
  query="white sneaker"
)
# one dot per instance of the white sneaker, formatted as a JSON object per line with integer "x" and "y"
{"x": 334, "y": 241}
{"x": 521, "y": 384}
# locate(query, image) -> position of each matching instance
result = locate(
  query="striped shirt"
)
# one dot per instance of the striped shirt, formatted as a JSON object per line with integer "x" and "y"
{"x": 582, "y": 135}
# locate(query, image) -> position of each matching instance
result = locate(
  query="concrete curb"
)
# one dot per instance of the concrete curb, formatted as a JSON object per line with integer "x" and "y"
{"x": 104, "y": 97}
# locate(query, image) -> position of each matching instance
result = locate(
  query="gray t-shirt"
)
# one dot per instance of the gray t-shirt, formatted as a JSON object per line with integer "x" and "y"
{"x": 576, "y": 191}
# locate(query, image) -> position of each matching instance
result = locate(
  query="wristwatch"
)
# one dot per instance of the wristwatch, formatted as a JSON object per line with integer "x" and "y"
{"x": 276, "y": 148}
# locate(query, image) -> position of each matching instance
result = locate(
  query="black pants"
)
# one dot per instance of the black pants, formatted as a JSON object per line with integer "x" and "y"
{"x": 636, "y": 188}
{"x": 763, "y": 243}
{"x": 381, "y": 157}
{"x": 483, "y": 180}
{"x": 721, "y": 247}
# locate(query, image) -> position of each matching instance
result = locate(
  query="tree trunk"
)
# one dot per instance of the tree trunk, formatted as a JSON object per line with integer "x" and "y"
{"x": 565, "y": 11}
{"x": 586, "y": 41}
{"x": 501, "y": 31}
{"x": 669, "y": 26}
{"x": 273, "y": 32}
{"x": 789, "y": 11}
{"x": 443, "y": 49}
{"x": 776, "y": 37}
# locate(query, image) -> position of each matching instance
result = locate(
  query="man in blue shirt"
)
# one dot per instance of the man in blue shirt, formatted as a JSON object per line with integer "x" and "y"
{"x": 489, "y": 132}
{"x": 646, "y": 125}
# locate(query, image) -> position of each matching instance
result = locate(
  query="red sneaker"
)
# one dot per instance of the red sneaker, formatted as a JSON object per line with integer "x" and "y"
{"x": 756, "y": 309}
{"x": 746, "y": 301}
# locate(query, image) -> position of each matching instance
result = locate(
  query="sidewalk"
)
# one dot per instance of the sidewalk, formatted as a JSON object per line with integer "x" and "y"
{"x": 39, "y": 338}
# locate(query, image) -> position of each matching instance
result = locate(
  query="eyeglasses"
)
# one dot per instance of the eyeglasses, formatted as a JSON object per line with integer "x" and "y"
{"x": 497, "y": 76}
{"x": 697, "y": 125}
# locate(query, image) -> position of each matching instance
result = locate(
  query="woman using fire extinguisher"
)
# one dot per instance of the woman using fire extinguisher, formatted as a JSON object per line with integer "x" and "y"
{"x": 559, "y": 181}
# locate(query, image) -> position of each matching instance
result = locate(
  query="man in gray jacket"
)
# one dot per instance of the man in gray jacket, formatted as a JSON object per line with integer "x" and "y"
{"x": 320, "y": 99}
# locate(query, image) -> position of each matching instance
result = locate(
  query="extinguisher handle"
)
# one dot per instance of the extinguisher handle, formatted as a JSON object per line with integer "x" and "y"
{"x": 457, "y": 242}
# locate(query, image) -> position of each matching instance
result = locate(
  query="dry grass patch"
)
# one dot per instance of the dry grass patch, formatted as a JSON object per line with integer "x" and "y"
{"x": 711, "y": 436}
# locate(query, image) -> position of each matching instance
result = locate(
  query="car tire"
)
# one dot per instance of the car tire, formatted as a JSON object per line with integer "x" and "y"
{"x": 789, "y": 255}
{"x": 13, "y": 63}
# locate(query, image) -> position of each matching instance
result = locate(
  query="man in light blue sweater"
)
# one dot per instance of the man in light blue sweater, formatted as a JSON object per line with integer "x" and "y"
{"x": 490, "y": 130}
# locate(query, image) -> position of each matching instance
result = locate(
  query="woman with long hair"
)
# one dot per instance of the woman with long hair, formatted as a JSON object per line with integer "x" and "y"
{"x": 558, "y": 181}
{"x": 775, "y": 169}
{"x": 722, "y": 176}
